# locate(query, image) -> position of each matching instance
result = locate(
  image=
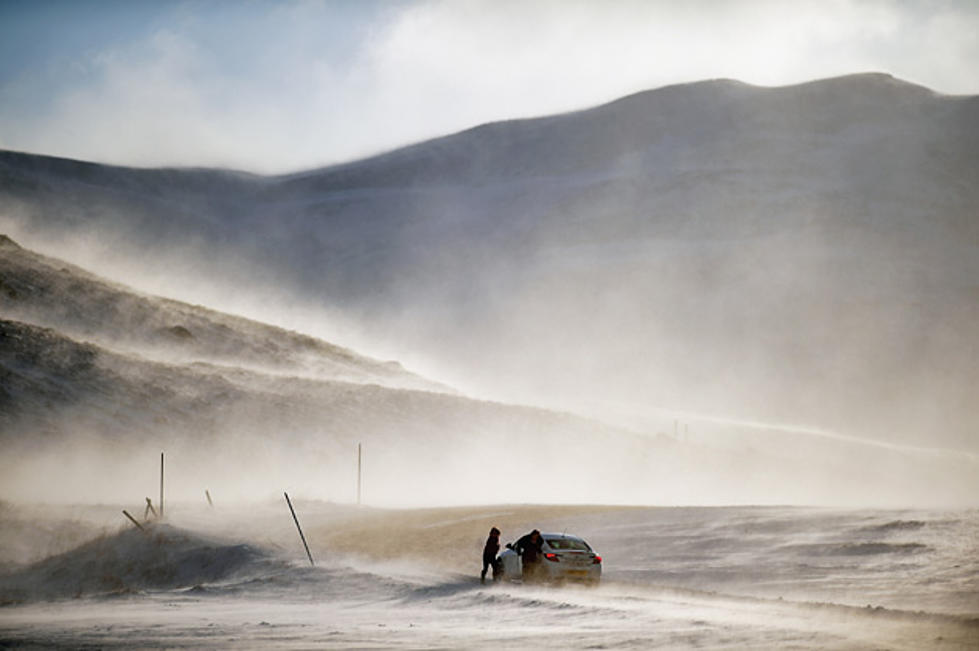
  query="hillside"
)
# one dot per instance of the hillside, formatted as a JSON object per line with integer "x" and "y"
{"x": 803, "y": 255}
{"x": 232, "y": 399}
{"x": 48, "y": 292}
{"x": 95, "y": 412}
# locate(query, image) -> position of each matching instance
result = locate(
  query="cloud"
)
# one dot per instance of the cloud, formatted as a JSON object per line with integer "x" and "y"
{"x": 277, "y": 87}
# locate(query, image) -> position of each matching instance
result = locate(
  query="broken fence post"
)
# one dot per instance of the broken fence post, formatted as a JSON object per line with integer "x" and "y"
{"x": 133, "y": 520}
{"x": 161, "y": 485}
{"x": 289, "y": 502}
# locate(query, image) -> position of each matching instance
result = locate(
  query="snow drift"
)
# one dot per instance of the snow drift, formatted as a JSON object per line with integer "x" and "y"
{"x": 161, "y": 557}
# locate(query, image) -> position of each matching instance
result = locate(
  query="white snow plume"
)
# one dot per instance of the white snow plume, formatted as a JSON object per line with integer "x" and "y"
{"x": 248, "y": 409}
{"x": 95, "y": 420}
{"x": 797, "y": 255}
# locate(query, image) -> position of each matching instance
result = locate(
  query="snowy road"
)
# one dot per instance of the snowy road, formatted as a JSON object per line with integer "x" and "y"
{"x": 675, "y": 578}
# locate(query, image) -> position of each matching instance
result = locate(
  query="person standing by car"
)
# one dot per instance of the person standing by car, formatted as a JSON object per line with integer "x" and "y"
{"x": 489, "y": 555}
{"x": 530, "y": 550}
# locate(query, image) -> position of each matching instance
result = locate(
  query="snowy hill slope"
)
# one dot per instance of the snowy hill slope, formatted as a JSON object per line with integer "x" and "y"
{"x": 805, "y": 254}
{"x": 96, "y": 374}
{"x": 48, "y": 292}
{"x": 89, "y": 414}
{"x": 80, "y": 419}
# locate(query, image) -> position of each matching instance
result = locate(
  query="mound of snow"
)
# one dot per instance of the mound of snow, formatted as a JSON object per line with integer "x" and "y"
{"x": 159, "y": 557}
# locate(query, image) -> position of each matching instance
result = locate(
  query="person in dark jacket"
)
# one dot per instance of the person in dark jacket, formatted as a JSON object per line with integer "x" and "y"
{"x": 530, "y": 549}
{"x": 490, "y": 551}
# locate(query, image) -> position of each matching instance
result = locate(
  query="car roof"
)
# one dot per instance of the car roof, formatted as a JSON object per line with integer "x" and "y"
{"x": 566, "y": 536}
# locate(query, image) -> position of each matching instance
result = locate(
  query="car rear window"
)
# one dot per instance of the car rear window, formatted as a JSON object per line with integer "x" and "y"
{"x": 571, "y": 544}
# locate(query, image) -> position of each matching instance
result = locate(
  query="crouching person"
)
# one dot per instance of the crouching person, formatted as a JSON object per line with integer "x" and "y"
{"x": 530, "y": 549}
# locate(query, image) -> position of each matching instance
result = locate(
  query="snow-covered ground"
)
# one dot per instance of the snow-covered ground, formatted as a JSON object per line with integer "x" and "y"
{"x": 746, "y": 577}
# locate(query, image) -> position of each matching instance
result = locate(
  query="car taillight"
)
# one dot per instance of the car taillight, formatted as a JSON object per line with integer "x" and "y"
{"x": 552, "y": 557}
{"x": 597, "y": 560}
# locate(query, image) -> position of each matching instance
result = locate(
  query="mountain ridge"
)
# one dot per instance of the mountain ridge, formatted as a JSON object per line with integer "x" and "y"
{"x": 881, "y": 80}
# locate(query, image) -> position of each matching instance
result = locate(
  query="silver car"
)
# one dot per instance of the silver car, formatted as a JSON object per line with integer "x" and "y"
{"x": 564, "y": 558}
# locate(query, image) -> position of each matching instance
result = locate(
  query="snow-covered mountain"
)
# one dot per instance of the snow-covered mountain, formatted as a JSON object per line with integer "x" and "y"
{"x": 804, "y": 255}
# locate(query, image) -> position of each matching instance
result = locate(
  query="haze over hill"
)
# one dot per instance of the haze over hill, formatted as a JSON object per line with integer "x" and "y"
{"x": 803, "y": 255}
{"x": 95, "y": 379}
{"x": 47, "y": 292}
{"x": 95, "y": 375}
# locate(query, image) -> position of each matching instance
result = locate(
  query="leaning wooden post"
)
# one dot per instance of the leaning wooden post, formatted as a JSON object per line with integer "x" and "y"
{"x": 133, "y": 520}
{"x": 149, "y": 509}
{"x": 210, "y": 502}
{"x": 161, "y": 485}
{"x": 300, "y": 529}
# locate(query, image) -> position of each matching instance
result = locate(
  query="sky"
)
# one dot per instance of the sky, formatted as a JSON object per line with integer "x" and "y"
{"x": 273, "y": 87}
